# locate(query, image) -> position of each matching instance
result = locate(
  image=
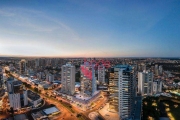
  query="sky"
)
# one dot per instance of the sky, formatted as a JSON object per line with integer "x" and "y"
{"x": 90, "y": 28}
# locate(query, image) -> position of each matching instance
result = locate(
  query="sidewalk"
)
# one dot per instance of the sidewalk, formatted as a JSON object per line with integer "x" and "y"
{"x": 107, "y": 114}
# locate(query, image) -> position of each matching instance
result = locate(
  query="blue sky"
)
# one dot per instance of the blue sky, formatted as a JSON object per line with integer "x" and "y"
{"x": 92, "y": 28}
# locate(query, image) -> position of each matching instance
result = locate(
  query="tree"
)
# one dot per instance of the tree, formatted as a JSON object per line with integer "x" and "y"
{"x": 77, "y": 66}
{"x": 148, "y": 109}
{"x": 28, "y": 85}
{"x": 36, "y": 89}
{"x": 39, "y": 91}
{"x": 25, "y": 84}
{"x": 176, "y": 80}
{"x": 78, "y": 115}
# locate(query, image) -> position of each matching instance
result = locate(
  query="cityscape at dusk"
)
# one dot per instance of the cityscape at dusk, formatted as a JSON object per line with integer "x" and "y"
{"x": 89, "y": 60}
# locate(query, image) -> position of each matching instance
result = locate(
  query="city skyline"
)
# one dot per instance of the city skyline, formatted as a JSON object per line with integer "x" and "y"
{"x": 90, "y": 28}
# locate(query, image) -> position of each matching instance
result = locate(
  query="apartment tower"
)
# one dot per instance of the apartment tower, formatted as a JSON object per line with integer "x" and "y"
{"x": 101, "y": 74}
{"x": 68, "y": 79}
{"x": 17, "y": 95}
{"x": 122, "y": 90}
{"x": 88, "y": 80}
{"x": 22, "y": 66}
{"x": 145, "y": 83}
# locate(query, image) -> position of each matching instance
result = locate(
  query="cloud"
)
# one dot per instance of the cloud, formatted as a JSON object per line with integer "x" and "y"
{"x": 5, "y": 13}
{"x": 35, "y": 22}
{"x": 31, "y": 22}
{"x": 31, "y": 32}
{"x": 72, "y": 33}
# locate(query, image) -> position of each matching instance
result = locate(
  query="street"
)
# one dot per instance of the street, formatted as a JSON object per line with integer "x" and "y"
{"x": 65, "y": 113}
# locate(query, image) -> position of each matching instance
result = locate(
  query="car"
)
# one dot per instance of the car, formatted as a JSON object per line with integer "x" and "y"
{"x": 101, "y": 107}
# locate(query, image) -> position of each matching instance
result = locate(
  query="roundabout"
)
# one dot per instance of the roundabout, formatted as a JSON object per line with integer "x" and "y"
{"x": 93, "y": 116}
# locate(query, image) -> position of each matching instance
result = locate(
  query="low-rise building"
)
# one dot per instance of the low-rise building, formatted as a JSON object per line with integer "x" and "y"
{"x": 84, "y": 103}
{"x": 34, "y": 98}
{"x": 46, "y": 113}
{"x": 19, "y": 117}
{"x": 51, "y": 111}
{"x": 39, "y": 116}
{"x": 44, "y": 86}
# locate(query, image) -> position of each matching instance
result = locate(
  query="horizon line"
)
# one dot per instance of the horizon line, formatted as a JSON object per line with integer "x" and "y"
{"x": 30, "y": 56}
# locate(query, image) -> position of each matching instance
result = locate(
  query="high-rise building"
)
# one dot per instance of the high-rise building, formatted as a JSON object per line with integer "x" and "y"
{"x": 36, "y": 63}
{"x": 42, "y": 62}
{"x": 48, "y": 62}
{"x": 160, "y": 70}
{"x": 1, "y": 70}
{"x": 14, "y": 100}
{"x": 144, "y": 67}
{"x": 1, "y": 81}
{"x": 88, "y": 80}
{"x": 22, "y": 66}
{"x": 40, "y": 75}
{"x": 101, "y": 74}
{"x": 157, "y": 86}
{"x": 17, "y": 95}
{"x": 68, "y": 79}
{"x": 49, "y": 77}
{"x": 30, "y": 72}
{"x": 156, "y": 70}
{"x": 30, "y": 64}
{"x": 122, "y": 90}
{"x": 145, "y": 83}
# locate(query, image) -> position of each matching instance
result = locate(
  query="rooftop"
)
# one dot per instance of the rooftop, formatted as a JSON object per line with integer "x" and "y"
{"x": 51, "y": 110}
{"x": 77, "y": 85}
{"x": 19, "y": 117}
{"x": 39, "y": 115}
{"x": 10, "y": 79}
{"x": 85, "y": 100}
{"x": 127, "y": 67}
{"x": 82, "y": 97}
{"x": 32, "y": 95}
{"x": 45, "y": 84}
{"x": 15, "y": 83}
{"x": 36, "y": 81}
{"x": 122, "y": 66}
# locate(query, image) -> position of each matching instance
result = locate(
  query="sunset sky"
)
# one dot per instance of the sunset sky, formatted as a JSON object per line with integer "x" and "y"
{"x": 90, "y": 28}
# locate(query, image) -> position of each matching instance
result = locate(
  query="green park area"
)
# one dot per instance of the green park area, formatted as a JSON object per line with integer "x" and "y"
{"x": 155, "y": 107}
{"x": 172, "y": 110}
{"x": 150, "y": 108}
